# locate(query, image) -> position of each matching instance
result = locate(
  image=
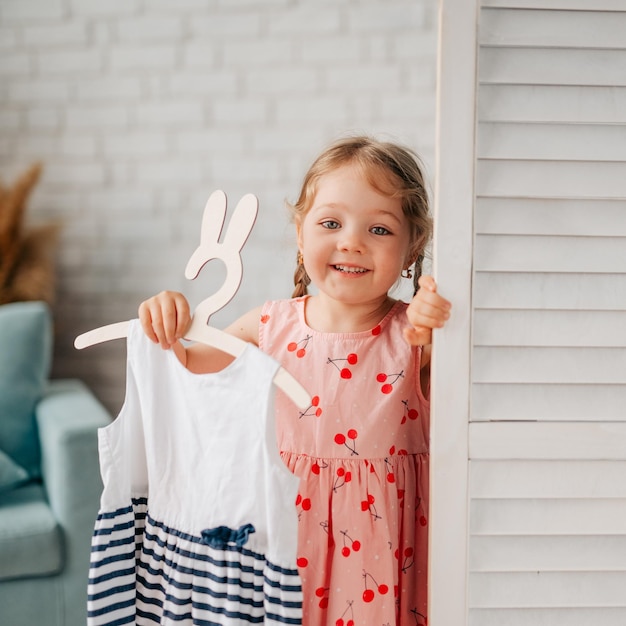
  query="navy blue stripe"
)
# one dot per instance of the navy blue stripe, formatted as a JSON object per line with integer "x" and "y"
{"x": 200, "y": 574}
{"x": 96, "y": 580}
{"x": 114, "y": 558}
{"x": 93, "y": 597}
{"x": 205, "y": 591}
{"x": 111, "y": 514}
{"x": 110, "y": 608}
{"x": 114, "y": 543}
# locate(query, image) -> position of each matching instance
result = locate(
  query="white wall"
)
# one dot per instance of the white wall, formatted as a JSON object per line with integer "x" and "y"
{"x": 140, "y": 108}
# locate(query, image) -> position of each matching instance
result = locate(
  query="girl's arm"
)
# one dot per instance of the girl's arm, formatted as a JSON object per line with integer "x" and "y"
{"x": 165, "y": 319}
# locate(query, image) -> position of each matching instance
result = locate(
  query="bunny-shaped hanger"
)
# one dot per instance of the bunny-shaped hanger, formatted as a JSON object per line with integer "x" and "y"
{"x": 228, "y": 251}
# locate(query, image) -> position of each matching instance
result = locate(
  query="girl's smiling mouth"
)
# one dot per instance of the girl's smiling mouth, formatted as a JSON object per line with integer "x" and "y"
{"x": 349, "y": 269}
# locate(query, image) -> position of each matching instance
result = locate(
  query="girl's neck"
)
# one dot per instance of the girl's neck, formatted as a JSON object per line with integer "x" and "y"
{"x": 330, "y": 316}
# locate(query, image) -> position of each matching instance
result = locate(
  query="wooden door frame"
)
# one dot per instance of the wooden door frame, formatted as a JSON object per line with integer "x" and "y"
{"x": 452, "y": 264}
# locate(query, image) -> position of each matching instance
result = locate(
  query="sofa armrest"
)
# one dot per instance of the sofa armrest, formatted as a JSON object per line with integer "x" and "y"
{"x": 68, "y": 418}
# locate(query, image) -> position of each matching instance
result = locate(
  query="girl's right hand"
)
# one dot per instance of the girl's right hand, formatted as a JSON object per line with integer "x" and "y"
{"x": 165, "y": 318}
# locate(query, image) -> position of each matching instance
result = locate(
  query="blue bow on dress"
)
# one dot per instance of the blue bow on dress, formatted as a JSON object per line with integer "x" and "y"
{"x": 221, "y": 536}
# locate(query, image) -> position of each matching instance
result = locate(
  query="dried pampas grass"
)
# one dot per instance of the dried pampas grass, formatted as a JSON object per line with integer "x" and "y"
{"x": 27, "y": 268}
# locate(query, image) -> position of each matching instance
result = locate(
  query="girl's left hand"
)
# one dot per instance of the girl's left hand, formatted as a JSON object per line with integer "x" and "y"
{"x": 427, "y": 310}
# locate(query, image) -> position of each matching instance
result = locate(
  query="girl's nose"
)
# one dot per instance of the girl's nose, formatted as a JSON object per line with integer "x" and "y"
{"x": 350, "y": 241}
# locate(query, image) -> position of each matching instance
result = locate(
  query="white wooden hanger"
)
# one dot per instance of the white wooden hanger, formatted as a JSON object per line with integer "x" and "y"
{"x": 229, "y": 251}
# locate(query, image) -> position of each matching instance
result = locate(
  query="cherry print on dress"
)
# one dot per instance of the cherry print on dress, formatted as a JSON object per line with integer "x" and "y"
{"x": 316, "y": 468}
{"x": 376, "y": 330}
{"x": 420, "y": 619}
{"x": 345, "y": 372}
{"x": 342, "y": 621}
{"x": 407, "y": 556}
{"x": 322, "y": 594}
{"x": 368, "y": 505}
{"x": 419, "y": 513}
{"x": 302, "y": 504}
{"x": 342, "y": 440}
{"x": 387, "y": 387}
{"x": 313, "y": 409}
{"x": 411, "y": 414}
{"x": 368, "y": 594}
{"x": 355, "y": 544}
{"x": 299, "y": 347}
{"x": 391, "y": 477}
{"x": 341, "y": 479}
{"x": 302, "y": 561}
{"x": 265, "y": 319}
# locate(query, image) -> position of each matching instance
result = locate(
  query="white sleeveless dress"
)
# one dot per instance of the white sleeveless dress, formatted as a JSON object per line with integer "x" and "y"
{"x": 197, "y": 521}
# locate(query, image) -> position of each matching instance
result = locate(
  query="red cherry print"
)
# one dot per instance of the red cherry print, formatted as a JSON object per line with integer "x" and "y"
{"x": 302, "y": 562}
{"x": 298, "y": 499}
{"x": 376, "y": 330}
{"x": 352, "y": 434}
{"x": 348, "y": 477}
{"x": 265, "y": 319}
{"x": 391, "y": 478}
{"x": 413, "y": 414}
{"x": 313, "y": 409}
{"x": 364, "y": 505}
{"x": 388, "y": 386}
{"x": 356, "y": 545}
{"x": 345, "y": 551}
{"x": 340, "y": 439}
{"x": 368, "y": 594}
{"x": 341, "y": 471}
{"x": 408, "y": 559}
{"x": 345, "y": 372}
{"x": 300, "y": 350}
{"x": 423, "y": 521}
{"x": 320, "y": 591}
{"x": 315, "y": 468}
{"x": 370, "y": 498}
{"x": 306, "y": 504}
{"x": 324, "y": 603}
{"x": 392, "y": 450}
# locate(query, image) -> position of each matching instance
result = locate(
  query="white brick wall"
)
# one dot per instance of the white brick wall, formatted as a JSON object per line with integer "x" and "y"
{"x": 140, "y": 108}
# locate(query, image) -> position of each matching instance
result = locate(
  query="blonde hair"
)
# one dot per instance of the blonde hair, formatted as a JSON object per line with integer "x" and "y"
{"x": 392, "y": 170}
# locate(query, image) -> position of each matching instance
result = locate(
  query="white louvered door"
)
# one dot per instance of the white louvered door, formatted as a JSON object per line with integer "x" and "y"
{"x": 546, "y": 432}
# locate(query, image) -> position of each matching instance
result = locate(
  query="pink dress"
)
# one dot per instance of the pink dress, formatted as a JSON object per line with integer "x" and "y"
{"x": 361, "y": 453}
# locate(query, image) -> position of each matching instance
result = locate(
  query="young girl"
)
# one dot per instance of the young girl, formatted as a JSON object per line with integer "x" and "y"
{"x": 361, "y": 448}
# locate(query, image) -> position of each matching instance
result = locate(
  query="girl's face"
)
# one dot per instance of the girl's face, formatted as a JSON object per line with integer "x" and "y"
{"x": 354, "y": 240}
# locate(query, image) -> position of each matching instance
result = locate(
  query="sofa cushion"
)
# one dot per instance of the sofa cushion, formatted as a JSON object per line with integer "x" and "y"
{"x": 30, "y": 538}
{"x": 11, "y": 474}
{"x": 25, "y": 357}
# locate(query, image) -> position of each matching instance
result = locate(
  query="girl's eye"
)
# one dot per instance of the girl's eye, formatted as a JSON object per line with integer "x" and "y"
{"x": 330, "y": 224}
{"x": 380, "y": 230}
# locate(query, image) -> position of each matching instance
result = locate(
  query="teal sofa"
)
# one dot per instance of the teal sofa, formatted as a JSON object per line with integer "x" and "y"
{"x": 50, "y": 481}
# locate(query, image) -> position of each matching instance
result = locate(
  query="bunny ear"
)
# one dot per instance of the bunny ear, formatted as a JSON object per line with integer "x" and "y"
{"x": 212, "y": 225}
{"x": 241, "y": 222}
{"x": 239, "y": 228}
{"x": 213, "y": 218}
